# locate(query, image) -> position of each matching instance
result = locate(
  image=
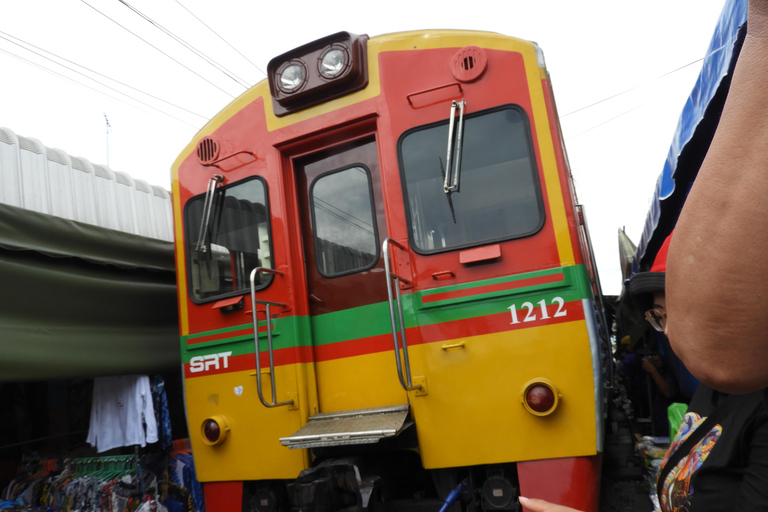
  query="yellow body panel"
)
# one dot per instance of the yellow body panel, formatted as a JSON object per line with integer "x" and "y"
{"x": 252, "y": 450}
{"x": 359, "y": 382}
{"x": 180, "y": 264}
{"x": 473, "y": 414}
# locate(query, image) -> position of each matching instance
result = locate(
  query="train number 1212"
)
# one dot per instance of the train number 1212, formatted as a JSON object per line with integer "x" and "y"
{"x": 530, "y": 310}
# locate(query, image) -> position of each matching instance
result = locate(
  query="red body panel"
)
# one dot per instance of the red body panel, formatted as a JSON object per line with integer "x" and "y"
{"x": 572, "y": 482}
{"x": 223, "y": 496}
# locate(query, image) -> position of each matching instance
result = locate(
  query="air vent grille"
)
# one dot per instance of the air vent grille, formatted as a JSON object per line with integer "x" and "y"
{"x": 207, "y": 151}
{"x": 469, "y": 63}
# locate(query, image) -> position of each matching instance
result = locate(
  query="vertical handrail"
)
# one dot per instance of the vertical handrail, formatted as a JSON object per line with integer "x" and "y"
{"x": 267, "y": 304}
{"x": 406, "y": 381}
{"x": 449, "y": 187}
{"x": 207, "y": 207}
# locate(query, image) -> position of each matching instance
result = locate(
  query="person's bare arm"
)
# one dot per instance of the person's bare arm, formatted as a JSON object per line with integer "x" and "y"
{"x": 666, "y": 387}
{"x": 717, "y": 267}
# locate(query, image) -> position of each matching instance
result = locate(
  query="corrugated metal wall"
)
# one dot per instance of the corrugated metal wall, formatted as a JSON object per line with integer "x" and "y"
{"x": 50, "y": 181}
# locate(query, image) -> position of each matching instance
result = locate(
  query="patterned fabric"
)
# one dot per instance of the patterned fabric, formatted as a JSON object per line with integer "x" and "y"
{"x": 677, "y": 489}
{"x": 728, "y": 468}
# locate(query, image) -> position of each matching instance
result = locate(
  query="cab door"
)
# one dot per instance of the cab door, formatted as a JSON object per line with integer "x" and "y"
{"x": 342, "y": 219}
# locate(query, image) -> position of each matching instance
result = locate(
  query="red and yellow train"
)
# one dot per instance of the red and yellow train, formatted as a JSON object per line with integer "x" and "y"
{"x": 386, "y": 289}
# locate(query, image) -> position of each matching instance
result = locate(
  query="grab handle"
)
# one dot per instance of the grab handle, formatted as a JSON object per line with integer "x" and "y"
{"x": 395, "y": 303}
{"x": 267, "y": 304}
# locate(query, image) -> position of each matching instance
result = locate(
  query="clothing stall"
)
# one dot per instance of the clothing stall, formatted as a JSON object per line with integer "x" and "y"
{"x": 91, "y": 400}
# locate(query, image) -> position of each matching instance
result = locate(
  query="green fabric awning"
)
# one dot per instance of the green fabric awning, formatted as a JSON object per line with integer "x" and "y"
{"x": 81, "y": 301}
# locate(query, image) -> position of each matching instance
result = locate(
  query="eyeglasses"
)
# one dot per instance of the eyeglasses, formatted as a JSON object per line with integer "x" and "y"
{"x": 657, "y": 317}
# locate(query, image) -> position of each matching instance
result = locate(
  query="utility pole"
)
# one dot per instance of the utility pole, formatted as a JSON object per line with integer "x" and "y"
{"x": 109, "y": 126}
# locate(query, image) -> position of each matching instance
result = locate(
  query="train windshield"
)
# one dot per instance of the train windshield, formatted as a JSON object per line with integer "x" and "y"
{"x": 236, "y": 240}
{"x": 499, "y": 196}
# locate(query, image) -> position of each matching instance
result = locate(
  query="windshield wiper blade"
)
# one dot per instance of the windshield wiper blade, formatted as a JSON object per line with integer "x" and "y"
{"x": 447, "y": 192}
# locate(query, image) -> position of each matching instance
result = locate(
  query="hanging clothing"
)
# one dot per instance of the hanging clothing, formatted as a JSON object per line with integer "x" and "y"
{"x": 122, "y": 413}
{"x": 181, "y": 471}
{"x": 162, "y": 414}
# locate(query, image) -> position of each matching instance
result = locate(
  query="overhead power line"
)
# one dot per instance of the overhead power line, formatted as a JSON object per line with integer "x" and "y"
{"x": 188, "y": 46}
{"x": 607, "y": 121}
{"x": 224, "y": 40}
{"x": 81, "y": 84}
{"x": 633, "y": 88}
{"x": 159, "y": 50}
{"x": 4, "y": 35}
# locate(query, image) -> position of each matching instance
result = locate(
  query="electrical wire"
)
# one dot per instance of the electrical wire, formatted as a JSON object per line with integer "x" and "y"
{"x": 607, "y": 121}
{"x": 343, "y": 215}
{"x": 70, "y": 79}
{"x": 159, "y": 50}
{"x": 635, "y": 87}
{"x": 188, "y": 46}
{"x": 630, "y": 89}
{"x": 225, "y": 41}
{"x": 4, "y": 35}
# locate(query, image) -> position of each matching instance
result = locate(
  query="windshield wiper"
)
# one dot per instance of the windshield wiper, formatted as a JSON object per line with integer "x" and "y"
{"x": 447, "y": 186}
{"x": 202, "y": 237}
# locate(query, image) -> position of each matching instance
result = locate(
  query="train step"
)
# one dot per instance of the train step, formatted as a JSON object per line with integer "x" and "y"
{"x": 357, "y": 426}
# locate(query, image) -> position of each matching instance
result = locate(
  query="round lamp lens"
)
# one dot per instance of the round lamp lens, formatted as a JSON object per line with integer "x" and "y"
{"x": 333, "y": 62}
{"x": 540, "y": 398}
{"x": 211, "y": 430}
{"x": 292, "y": 77}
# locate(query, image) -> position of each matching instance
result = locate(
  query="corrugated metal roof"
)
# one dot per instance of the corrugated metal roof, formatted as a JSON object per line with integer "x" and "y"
{"x": 48, "y": 180}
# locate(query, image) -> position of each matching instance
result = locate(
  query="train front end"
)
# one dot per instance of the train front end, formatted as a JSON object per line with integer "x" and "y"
{"x": 386, "y": 291}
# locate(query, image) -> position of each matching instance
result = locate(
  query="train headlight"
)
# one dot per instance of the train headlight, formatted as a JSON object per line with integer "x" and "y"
{"x": 317, "y": 72}
{"x": 292, "y": 77}
{"x": 540, "y": 397}
{"x": 333, "y": 61}
{"x": 214, "y": 430}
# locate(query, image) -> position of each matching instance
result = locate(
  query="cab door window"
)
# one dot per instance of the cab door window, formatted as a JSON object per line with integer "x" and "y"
{"x": 343, "y": 218}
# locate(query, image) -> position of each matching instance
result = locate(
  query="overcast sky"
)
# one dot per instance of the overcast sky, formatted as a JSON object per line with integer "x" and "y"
{"x": 621, "y": 73}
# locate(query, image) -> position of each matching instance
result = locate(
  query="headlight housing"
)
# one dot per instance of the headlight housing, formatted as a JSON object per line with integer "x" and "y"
{"x": 320, "y": 71}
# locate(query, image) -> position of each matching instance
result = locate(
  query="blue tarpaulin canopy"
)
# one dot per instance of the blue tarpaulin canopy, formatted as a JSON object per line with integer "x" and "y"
{"x": 694, "y": 132}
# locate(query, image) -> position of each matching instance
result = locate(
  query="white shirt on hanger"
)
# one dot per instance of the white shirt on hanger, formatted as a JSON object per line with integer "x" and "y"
{"x": 122, "y": 413}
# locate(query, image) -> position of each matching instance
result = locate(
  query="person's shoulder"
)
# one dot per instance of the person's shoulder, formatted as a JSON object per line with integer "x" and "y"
{"x": 748, "y": 405}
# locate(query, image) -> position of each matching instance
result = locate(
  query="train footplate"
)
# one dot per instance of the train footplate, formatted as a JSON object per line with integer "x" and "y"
{"x": 357, "y": 426}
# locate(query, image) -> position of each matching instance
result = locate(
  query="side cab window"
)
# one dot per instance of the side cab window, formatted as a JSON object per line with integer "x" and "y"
{"x": 225, "y": 247}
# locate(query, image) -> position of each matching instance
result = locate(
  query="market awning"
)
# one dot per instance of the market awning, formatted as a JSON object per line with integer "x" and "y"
{"x": 81, "y": 301}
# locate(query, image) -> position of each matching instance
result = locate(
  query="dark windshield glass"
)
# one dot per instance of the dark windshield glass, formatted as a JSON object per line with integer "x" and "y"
{"x": 499, "y": 196}
{"x": 236, "y": 241}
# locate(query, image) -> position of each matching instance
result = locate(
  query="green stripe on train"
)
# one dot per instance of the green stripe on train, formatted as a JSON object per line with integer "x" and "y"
{"x": 374, "y": 319}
